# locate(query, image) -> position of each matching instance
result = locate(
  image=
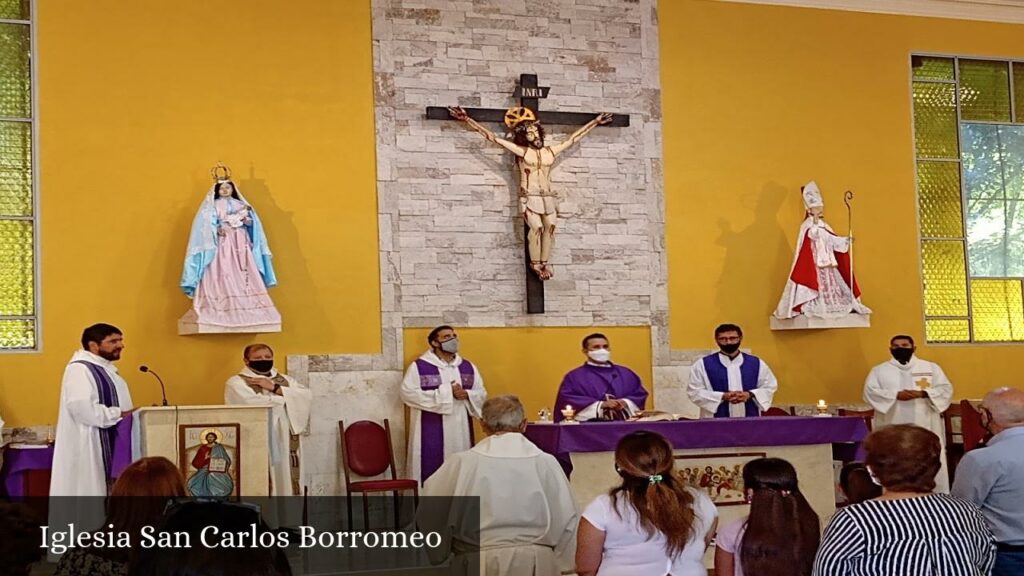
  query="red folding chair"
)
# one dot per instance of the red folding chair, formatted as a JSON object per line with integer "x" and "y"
{"x": 366, "y": 451}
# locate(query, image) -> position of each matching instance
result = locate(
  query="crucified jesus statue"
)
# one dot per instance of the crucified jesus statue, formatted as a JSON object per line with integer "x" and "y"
{"x": 537, "y": 202}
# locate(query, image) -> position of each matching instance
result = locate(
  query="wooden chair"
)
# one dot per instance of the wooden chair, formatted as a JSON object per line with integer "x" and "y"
{"x": 970, "y": 424}
{"x": 953, "y": 423}
{"x": 776, "y": 411}
{"x": 866, "y": 415}
{"x": 366, "y": 451}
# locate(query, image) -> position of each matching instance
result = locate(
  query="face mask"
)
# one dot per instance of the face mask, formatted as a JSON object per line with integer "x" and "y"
{"x": 261, "y": 365}
{"x": 599, "y": 355}
{"x": 902, "y": 355}
{"x": 450, "y": 346}
{"x": 872, "y": 474}
{"x": 729, "y": 348}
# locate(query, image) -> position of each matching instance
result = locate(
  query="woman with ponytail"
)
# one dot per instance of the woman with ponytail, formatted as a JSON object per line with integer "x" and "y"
{"x": 652, "y": 524}
{"x": 781, "y": 534}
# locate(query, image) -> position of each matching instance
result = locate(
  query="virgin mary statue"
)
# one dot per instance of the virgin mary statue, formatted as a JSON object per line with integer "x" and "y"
{"x": 821, "y": 284}
{"x": 228, "y": 267}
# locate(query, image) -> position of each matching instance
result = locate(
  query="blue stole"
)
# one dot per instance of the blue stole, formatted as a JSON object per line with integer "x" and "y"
{"x": 108, "y": 397}
{"x": 718, "y": 375}
{"x": 432, "y": 423}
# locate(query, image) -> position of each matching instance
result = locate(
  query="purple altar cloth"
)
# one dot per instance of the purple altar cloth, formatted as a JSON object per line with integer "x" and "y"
{"x": 560, "y": 440}
{"x": 17, "y": 461}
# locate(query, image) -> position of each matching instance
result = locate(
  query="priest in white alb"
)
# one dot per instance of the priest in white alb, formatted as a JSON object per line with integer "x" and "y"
{"x": 260, "y": 384}
{"x": 93, "y": 399}
{"x": 527, "y": 513}
{"x": 908, "y": 390}
{"x": 444, "y": 392}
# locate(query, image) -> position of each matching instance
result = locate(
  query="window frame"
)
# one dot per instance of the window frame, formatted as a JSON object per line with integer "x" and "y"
{"x": 1015, "y": 120}
{"x": 36, "y": 317}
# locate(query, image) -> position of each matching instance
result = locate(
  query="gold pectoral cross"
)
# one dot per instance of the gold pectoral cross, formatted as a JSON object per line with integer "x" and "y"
{"x": 923, "y": 383}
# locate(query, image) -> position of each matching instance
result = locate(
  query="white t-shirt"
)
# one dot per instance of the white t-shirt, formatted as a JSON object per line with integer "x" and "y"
{"x": 628, "y": 551}
{"x": 730, "y": 539}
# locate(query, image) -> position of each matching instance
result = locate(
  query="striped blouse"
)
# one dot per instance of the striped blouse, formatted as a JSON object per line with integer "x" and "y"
{"x": 935, "y": 534}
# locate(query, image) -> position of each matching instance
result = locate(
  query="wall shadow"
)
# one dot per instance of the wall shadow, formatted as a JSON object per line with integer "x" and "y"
{"x": 761, "y": 250}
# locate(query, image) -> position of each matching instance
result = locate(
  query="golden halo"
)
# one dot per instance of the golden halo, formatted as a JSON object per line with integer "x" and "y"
{"x": 517, "y": 115}
{"x": 214, "y": 431}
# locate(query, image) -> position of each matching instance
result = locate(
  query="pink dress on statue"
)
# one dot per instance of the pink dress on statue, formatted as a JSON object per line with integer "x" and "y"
{"x": 231, "y": 292}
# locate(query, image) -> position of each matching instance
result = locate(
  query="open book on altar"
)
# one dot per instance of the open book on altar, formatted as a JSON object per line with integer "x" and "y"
{"x": 655, "y": 416}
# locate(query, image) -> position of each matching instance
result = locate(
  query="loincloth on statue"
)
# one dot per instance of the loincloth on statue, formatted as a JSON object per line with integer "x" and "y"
{"x": 538, "y": 204}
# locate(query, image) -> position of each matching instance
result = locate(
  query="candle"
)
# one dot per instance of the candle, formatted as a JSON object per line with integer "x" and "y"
{"x": 821, "y": 404}
{"x": 569, "y": 414}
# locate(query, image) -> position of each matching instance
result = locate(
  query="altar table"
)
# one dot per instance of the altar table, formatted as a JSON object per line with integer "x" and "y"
{"x": 586, "y": 450}
{"x": 21, "y": 463}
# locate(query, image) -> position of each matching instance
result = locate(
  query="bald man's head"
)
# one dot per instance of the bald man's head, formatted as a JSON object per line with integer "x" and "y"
{"x": 1006, "y": 406}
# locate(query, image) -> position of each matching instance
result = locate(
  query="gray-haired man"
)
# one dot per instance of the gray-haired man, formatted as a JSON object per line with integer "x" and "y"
{"x": 993, "y": 477}
{"x": 528, "y": 515}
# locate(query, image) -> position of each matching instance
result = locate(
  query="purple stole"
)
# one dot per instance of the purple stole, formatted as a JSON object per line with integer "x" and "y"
{"x": 718, "y": 375}
{"x": 108, "y": 397}
{"x": 432, "y": 423}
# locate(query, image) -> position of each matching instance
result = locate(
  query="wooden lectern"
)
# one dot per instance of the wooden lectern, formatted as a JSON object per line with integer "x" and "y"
{"x": 223, "y": 451}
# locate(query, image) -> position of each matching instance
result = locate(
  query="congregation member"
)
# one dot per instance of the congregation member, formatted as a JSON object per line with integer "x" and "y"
{"x": 137, "y": 500}
{"x": 20, "y": 535}
{"x": 599, "y": 389}
{"x": 259, "y": 383}
{"x": 651, "y": 523}
{"x": 856, "y": 483}
{"x": 908, "y": 529}
{"x": 908, "y": 390}
{"x": 730, "y": 383}
{"x": 780, "y": 535}
{"x": 444, "y": 392}
{"x": 93, "y": 399}
{"x": 527, "y": 512}
{"x": 993, "y": 477}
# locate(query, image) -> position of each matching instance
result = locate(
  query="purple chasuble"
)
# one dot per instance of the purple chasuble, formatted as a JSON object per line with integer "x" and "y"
{"x": 108, "y": 397}
{"x": 432, "y": 423}
{"x": 587, "y": 384}
{"x": 718, "y": 376}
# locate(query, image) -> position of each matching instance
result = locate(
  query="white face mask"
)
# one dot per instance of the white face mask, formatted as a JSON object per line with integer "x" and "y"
{"x": 600, "y": 355}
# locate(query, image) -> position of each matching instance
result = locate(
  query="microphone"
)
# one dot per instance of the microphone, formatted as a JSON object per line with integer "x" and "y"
{"x": 155, "y": 375}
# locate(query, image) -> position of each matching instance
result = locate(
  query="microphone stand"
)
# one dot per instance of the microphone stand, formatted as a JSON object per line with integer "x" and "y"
{"x": 163, "y": 392}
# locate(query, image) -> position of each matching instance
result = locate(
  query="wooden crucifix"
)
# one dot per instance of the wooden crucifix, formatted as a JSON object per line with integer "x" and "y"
{"x": 534, "y": 159}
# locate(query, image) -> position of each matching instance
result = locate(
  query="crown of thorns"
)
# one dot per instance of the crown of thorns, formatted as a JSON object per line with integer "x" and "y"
{"x": 517, "y": 115}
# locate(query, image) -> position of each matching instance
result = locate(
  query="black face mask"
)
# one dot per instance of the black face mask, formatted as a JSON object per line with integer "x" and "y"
{"x": 729, "y": 349}
{"x": 261, "y": 365}
{"x": 902, "y": 355}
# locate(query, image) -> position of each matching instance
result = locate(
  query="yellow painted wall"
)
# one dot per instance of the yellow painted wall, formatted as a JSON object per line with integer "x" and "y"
{"x": 137, "y": 100}
{"x": 757, "y": 101}
{"x": 530, "y": 362}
